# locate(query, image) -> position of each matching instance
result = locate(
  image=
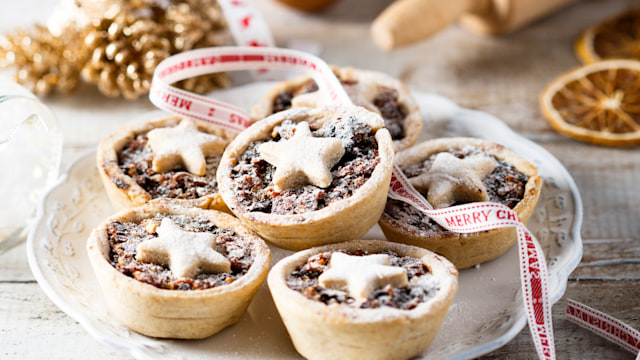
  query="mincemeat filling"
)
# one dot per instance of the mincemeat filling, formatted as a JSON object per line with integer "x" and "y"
{"x": 422, "y": 285}
{"x": 135, "y": 160}
{"x": 252, "y": 174}
{"x": 386, "y": 101}
{"x": 505, "y": 185}
{"x": 124, "y": 238}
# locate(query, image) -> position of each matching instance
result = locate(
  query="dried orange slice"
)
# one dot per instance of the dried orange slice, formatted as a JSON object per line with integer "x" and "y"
{"x": 618, "y": 37}
{"x": 597, "y": 103}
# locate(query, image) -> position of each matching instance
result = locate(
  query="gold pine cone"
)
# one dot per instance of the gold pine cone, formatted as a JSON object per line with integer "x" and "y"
{"x": 45, "y": 63}
{"x": 119, "y": 49}
{"x": 126, "y": 49}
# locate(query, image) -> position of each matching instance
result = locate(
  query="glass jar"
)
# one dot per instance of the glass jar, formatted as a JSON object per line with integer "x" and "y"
{"x": 30, "y": 151}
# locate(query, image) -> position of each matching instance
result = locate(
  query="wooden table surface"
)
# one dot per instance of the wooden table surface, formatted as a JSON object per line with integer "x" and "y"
{"x": 499, "y": 75}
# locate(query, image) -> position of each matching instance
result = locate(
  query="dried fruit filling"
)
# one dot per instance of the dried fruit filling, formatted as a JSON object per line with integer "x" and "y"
{"x": 422, "y": 284}
{"x": 252, "y": 174}
{"x": 124, "y": 238}
{"x": 386, "y": 101}
{"x": 505, "y": 185}
{"x": 135, "y": 160}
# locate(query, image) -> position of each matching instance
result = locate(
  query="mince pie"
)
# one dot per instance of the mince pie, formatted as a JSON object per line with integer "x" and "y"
{"x": 305, "y": 177}
{"x": 175, "y": 272}
{"x": 167, "y": 159}
{"x": 454, "y": 171}
{"x": 375, "y": 91}
{"x": 363, "y": 299}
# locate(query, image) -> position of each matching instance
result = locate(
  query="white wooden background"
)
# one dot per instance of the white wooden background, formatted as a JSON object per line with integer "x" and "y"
{"x": 502, "y": 76}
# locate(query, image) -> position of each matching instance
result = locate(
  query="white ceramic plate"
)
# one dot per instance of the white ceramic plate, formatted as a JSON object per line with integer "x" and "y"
{"x": 487, "y": 311}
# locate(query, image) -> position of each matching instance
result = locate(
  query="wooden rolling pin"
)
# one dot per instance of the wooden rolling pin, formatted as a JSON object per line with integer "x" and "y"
{"x": 408, "y": 21}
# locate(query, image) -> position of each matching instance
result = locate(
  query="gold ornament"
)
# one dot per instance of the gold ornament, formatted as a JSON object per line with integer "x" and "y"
{"x": 46, "y": 63}
{"x": 116, "y": 46}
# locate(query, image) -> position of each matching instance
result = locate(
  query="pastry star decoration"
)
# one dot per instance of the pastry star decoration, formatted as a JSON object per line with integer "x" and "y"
{"x": 302, "y": 159}
{"x": 360, "y": 276}
{"x": 183, "y": 144}
{"x": 452, "y": 179}
{"x": 358, "y": 92}
{"x": 186, "y": 253}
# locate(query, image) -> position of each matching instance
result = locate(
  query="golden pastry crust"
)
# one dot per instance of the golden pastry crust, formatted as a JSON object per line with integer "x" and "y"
{"x": 184, "y": 314}
{"x": 340, "y": 331}
{"x": 363, "y": 94}
{"x": 465, "y": 250}
{"x": 123, "y": 191}
{"x": 345, "y": 219}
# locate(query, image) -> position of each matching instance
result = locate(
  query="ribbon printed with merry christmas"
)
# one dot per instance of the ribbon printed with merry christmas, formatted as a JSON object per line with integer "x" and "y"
{"x": 604, "y": 325}
{"x": 480, "y": 216}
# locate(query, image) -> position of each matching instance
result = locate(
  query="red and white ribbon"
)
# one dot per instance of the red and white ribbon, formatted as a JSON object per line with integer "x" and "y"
{"x": 604, "y": 325}
{"x": 246, "y": 23}
{"x": 464, "y": 219}
{"x": 482, "y": 216}
{"x": 210, "y": 60}
{"x": 248, "y": 28}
